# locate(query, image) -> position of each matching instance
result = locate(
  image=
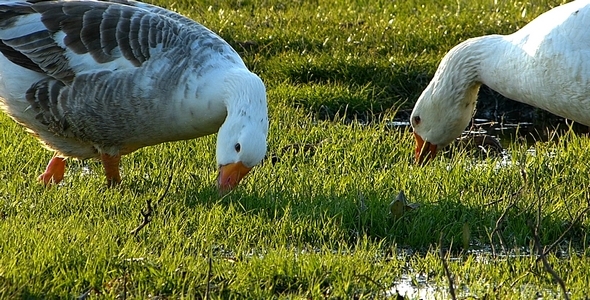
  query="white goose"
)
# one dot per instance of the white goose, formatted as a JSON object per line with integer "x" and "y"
{"x": 545, "y": 64}
{"x": 101, "y": 79}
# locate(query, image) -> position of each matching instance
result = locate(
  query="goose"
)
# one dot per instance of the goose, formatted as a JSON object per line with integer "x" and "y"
{"x": 101, "y": 79}
{"x": 545, "y": 64}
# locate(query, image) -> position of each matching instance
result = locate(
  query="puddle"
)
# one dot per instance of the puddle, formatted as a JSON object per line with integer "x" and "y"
{"x": 508, "y": 131}
{"x": 413, "y": 288}
{"x": 418, "y": 285}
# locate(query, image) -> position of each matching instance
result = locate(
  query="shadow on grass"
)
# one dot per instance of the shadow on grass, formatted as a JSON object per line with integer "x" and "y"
{"x": 11, "y": 290}
{"x": 373, "y": 89}
{"x": 322, "y": 216}
{"x": 382, "y": 85}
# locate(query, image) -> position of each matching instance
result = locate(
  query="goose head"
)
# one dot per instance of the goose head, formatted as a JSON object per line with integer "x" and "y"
{"x": 241, "y": 140}
{"x": 436, "y": 122}
{"x": 446, "y": 106}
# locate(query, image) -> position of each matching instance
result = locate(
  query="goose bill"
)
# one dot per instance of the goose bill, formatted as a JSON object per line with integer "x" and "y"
{"x": 230, "y": 175}
{"x": 425, "y": 151}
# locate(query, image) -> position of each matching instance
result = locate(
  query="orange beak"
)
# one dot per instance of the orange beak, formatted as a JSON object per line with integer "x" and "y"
{"x": 424, "y": 151}
{"x": 230, "y": 175}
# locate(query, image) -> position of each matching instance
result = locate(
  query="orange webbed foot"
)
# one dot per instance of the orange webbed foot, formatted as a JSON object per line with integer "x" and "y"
{"x": 54, "y": 173}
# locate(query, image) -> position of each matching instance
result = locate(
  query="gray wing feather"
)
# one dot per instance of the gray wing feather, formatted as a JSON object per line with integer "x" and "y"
{"x": 39, "y": 51}
{"x": 90, "y": 108}
{"x": 105, "y": 30}
{"x": 97, "y": 28}
{"x": 66, "y": 113}
{"x": 87, "y": 100}
{"x": 43, "y": 97}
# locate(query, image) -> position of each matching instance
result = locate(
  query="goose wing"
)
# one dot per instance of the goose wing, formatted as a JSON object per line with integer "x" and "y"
{"x": 63, "y": 38}
{"x": 107, "y": 63}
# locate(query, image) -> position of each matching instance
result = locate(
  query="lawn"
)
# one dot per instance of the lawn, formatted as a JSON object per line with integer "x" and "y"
{"x": 311, "y": 224}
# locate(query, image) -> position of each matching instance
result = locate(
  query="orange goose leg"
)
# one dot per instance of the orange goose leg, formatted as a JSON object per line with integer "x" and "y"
{"x": 111, "y": 168}
{"x": 54, "y": 172}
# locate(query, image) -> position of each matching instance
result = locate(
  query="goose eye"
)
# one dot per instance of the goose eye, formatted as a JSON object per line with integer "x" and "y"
{"x": 238, "y": 147}
{"x": 416, "y": 120}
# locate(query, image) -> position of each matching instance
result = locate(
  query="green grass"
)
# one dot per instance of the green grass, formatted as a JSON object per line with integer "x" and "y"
{"x": 312, "y": 225}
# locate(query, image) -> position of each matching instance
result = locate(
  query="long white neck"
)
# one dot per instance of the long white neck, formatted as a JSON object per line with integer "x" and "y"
{"x": 493, "y": 60}
{"x": 246, "y": 124}
{"x": 244, "y": 95}
{"x": 457, "y": 77}
{"x": 206, "y": 104}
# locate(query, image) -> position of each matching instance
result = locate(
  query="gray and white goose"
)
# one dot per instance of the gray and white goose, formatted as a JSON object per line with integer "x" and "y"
{"x": 101, "y": 79}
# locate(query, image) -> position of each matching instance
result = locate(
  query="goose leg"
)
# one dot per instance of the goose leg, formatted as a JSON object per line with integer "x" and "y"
{"x": 111, "y": 168}
{"x": 54, "y": 172}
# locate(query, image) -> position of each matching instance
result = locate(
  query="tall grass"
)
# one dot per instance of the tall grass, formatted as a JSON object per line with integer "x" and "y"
{"x": 310, "y": 224}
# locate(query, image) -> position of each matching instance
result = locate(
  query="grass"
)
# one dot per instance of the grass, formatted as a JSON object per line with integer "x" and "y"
{"x": 313, "y": 224}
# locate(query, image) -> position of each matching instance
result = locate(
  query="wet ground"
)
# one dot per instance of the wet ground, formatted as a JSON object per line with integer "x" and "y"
{"x": 509, "y": 121}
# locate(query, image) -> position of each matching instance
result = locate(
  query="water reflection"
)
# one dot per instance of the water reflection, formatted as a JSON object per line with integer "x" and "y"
{"x": 508, "y": 131}
{"x": 419, "y": 285}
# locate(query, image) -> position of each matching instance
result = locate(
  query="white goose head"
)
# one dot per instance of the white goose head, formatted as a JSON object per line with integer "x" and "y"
{"x": 445, "y": 107}
{"x": 241, "y": 140}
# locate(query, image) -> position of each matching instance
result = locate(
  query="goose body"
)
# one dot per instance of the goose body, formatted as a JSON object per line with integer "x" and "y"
{"x": 545, "y": 64}
{"x": 101, "y": 79}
